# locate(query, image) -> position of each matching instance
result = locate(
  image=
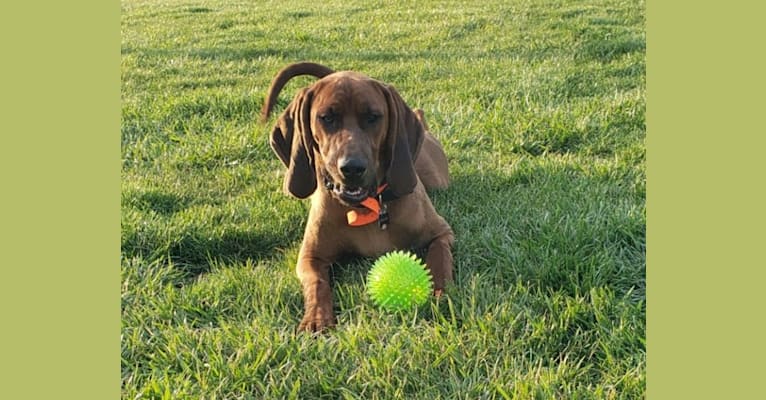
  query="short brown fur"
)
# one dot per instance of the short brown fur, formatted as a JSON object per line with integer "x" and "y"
{"x": 347, "y": 116}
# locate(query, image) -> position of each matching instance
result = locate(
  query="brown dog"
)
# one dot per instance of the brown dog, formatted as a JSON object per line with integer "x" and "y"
{"x": 366, "y": 159}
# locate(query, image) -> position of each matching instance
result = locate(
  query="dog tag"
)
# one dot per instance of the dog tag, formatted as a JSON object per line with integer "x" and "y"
{"x": 383, "y": 215}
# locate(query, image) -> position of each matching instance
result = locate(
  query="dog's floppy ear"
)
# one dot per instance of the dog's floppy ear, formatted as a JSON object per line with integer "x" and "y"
{"x": 293, "y": 142}
{"x": 404, "y": 138}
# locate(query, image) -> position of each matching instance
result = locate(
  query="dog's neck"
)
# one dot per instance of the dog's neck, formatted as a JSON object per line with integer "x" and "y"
{"x": 371, "y": 209}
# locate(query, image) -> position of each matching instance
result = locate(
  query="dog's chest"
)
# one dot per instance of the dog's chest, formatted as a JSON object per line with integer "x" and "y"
{"x": 371, "y": 241}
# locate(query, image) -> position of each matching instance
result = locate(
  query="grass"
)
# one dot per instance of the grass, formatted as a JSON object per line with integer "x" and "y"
{"x": 540, "y": 107}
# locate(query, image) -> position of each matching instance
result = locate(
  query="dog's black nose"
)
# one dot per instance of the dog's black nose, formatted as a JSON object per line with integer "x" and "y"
{"x": 352, "y": 168}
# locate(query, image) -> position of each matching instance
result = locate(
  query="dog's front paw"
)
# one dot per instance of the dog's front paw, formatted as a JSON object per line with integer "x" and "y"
{"x": 317, "y": 319}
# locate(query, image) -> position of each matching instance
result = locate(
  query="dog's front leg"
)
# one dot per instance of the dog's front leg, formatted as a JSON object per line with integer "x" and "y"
{"x": 439, "y": 260}
{"x": 314, "y": 275}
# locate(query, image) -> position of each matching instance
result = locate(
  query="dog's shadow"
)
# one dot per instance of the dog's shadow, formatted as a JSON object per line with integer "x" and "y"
{"x": 558, "y": 229}
{"x": 563, "y": 231}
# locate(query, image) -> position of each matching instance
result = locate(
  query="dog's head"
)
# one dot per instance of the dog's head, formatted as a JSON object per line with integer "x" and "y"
{"x": 350, "y": 134}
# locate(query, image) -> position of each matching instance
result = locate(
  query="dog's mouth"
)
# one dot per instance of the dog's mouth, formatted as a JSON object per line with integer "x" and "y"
{"x": 351, "y": 195}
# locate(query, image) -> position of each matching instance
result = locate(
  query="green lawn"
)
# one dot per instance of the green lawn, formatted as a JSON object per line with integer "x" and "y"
{"x": 540, "y": 107}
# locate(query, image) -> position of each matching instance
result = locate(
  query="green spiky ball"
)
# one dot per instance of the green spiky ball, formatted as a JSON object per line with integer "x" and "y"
{"x": 398, "y": 281}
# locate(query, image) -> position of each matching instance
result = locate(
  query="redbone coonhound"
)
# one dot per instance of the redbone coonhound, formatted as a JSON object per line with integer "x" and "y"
{"x": 366, "y": 160}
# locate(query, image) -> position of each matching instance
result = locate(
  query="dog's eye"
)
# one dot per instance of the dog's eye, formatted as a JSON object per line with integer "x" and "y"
{"x": 327, "y": 119}
{"x": 373, "y": 118}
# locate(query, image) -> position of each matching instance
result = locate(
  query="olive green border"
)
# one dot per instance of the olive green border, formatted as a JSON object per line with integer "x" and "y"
{"x": 60, "y": 161}
{"x": 59, "y": 157}
{"x": 705, "y": 219}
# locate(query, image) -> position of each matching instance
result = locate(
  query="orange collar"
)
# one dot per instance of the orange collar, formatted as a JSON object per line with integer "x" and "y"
{"x": 373, "y": 210}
